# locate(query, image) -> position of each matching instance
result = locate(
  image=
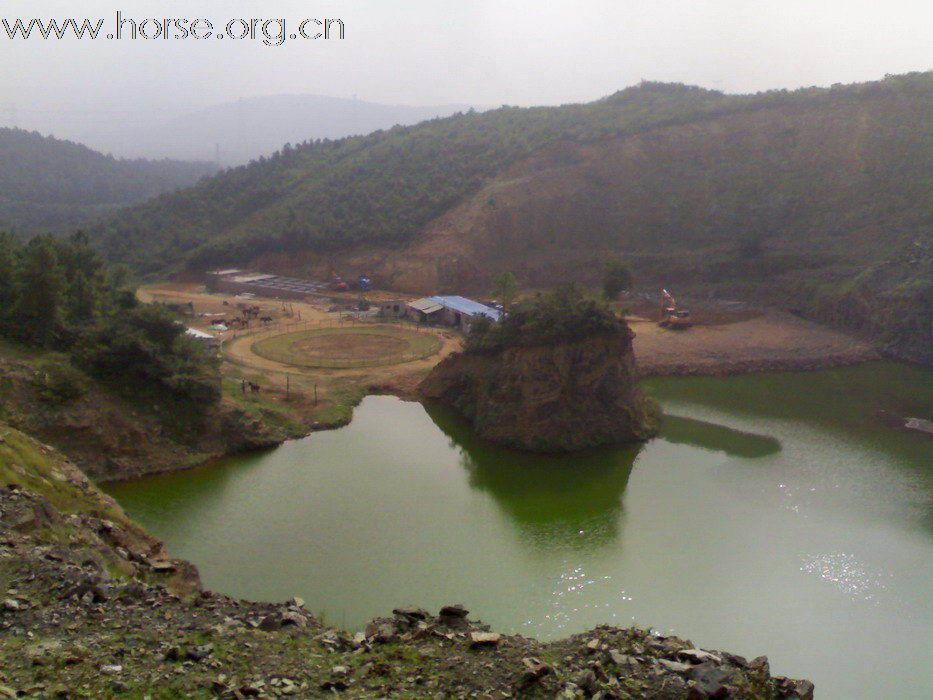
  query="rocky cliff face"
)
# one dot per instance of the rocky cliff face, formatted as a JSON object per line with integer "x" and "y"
{"x": 555, "y": 398}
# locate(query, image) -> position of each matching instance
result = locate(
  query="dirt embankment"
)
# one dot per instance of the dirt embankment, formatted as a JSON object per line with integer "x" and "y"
{"x": 111, "y": 435}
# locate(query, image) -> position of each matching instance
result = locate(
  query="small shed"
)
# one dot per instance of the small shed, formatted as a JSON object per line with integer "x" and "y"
{"x": 395, "y": 308}
{"x": 424, "y": 310}
{"x": 205, "y": 339}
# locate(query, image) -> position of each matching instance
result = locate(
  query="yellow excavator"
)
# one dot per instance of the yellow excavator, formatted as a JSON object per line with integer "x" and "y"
{"x": 671, "y": 316}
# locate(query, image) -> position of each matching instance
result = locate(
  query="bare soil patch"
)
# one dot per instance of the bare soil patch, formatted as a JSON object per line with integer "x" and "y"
{"x": 773, "y": 340}
{"x": 351, "y": 347}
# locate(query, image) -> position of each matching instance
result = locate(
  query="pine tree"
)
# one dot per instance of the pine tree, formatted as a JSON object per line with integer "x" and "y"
{"x": 8, "y": 247}
{"x": 81, "y": 302}
{"x": 617, "y": 278}
{"x": 36, "y": 315}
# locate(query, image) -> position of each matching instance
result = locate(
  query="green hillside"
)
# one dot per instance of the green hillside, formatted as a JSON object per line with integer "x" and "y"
{"x": 379, "y": 188}
{"x": 386, "y": 186}
{"x": 816, "y": 199}
{"x": 49, "y": 185}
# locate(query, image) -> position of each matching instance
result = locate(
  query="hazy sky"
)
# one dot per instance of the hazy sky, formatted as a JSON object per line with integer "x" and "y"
{"x": 483, "y": 52}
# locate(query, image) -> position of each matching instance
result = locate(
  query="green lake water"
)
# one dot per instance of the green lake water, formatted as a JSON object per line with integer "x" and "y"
{"x": 782, "y": 514}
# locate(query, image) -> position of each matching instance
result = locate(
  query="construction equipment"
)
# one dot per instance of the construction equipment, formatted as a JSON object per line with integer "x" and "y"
{"x": 337, "y": 284}
{"x": 671, "y": 316}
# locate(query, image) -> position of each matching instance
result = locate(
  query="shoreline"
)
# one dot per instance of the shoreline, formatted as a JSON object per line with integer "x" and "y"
{"x": 738, "y": 368}
{"x": 732, "y": 345}
{"x": 405, "y": 394}
{"x": 184, "y": 635}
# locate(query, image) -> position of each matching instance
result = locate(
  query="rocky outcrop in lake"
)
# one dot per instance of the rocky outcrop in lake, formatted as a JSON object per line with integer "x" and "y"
{"x": 551, "y": 397}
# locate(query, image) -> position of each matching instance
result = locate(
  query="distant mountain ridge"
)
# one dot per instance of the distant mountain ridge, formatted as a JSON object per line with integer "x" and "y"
{"x": 49, "y": 185}
{"x": 235, "y": 133}
{"x": 817, "y": 200}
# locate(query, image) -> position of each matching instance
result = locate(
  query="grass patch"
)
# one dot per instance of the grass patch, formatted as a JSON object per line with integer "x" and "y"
{"x": 355, "y": 346}
{"x": 336, "y": 408}
{"x": 263, "y": 406}
{"x": 28, "y": 464}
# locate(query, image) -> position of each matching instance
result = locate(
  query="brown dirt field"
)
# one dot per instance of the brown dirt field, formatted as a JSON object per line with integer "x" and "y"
{"x": 239, "y": 351}
{"x": 343, "y": 346}
{"x": 773, "y": 340}
{"x": 209, "y": 307}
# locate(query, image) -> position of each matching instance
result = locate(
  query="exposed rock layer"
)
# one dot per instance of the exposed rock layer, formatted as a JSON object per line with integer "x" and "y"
{"x": 564, "y": 397}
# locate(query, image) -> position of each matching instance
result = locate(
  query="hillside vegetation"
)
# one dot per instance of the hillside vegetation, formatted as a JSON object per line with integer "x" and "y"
{"x": 817, "y": 199}
{"x": 48, "y": 185}
{"x": 55, "y": 293}
{"x": 114, "y": 383}
{"x": 563, "y": 315}
{"x": 380, "y": 188}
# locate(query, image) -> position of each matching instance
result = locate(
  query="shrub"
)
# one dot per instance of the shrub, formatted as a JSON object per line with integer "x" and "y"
{"x": 58, "y": 381}
{"x": 563, "y": 315}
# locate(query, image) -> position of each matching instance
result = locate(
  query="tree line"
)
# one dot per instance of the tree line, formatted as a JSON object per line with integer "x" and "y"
{"x": 57, "y": 294}
{"x": 51, "y": 186}
{"x": 563, "y": 315}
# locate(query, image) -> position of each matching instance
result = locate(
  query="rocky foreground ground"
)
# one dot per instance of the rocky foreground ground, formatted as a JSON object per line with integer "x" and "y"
{"x": 90, "y": 609}
{"x": 92, "y": 606}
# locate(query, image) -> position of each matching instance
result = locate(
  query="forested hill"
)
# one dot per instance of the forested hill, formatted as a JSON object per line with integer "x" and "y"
{"x": 49, "y": 185}
{"x": 818, "y": 199}
{"x": 380, "y": 188}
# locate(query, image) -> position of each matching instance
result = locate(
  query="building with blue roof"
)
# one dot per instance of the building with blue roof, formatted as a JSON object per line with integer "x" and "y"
{"x": 461, "y": 312}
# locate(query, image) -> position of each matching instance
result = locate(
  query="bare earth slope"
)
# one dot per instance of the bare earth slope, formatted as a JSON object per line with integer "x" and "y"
{"x": 113, "y": 436}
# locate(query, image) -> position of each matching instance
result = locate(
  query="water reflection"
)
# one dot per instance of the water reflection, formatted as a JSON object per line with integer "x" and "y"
{"x": 710, "y": 436}
{"x": 169, "y": 495}
{"x": 575, "y": 500}
{"x": 572, "y": 501}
